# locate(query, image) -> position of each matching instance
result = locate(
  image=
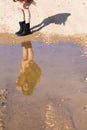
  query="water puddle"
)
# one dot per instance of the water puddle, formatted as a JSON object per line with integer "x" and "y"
{"x": 46, "y": 86}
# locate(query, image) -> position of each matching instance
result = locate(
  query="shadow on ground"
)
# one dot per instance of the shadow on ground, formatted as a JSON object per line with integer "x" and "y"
{"x": 56, "y": 19}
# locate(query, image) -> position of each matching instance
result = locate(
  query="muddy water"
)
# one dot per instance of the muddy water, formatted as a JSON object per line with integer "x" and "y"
{"x": 46, "y": 84}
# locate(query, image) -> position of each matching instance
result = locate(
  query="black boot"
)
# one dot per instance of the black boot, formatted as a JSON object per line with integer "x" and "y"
{"x": 21, "y": 24}
{"x": 26, "y": 30}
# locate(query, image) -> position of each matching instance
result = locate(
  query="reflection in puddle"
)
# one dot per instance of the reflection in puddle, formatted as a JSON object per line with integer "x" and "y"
{"x": 30, "y": 72}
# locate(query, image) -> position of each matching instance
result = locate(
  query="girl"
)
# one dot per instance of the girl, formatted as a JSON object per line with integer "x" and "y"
{"x": 23, "y": 8}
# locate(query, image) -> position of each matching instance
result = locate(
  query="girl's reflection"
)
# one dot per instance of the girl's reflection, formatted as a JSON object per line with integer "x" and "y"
{"x": 29, "y": 71}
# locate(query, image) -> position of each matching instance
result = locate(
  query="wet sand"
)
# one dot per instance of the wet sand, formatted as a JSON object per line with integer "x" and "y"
{"x": 58, "y": 99}
{"x": 6, "y": 38}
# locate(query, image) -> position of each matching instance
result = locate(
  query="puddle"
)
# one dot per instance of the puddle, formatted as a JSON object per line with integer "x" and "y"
{"x": 46, "y": 86}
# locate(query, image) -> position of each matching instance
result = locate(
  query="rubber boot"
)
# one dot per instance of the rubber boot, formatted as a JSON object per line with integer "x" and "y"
{"x": 26, "y": 30}
{"x": 21, "y": 24}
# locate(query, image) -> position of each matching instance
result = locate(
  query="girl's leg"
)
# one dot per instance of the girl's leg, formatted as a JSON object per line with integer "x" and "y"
{"x": 24, "y": 23}
{"x": 26, "y": 30}
{"x": 21, "y": 22}
{"x": 21, "y": 14}
{"x": 20, "y": 10}
{"x": 27, "y": 15}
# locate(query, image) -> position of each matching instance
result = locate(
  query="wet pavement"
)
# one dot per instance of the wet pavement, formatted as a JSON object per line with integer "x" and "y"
{"x": 46, "y": 85}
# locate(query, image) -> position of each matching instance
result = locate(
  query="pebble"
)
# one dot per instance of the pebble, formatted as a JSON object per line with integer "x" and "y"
{"x": 67, "y": 128}
{"x": 3, "y": 97}
{"x": 38, "y": 35}
{"x": 62, "y": 100}
{"x": 3, "y": 94}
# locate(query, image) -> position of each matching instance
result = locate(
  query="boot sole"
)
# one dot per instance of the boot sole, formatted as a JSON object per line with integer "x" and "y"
{"x": 24, "y": 34}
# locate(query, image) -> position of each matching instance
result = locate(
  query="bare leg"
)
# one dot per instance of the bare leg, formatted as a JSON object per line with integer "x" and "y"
{"x": 20, "y": 10}
{"x": 24, "y": 14}
{"x": 21, "y": 14}
{"x": 22, "y": 21}
{"x": 27, "y": 15}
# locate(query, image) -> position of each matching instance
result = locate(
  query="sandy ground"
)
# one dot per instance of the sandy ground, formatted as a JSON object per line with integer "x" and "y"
{"x": 61, "y": 18}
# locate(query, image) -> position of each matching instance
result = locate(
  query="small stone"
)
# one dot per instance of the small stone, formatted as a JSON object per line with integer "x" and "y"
{"x": 59, "y": 105}
{"x": 3, "y": 103}
{"x": 38, "y": 35}
{"x": 67, "y": 128}
{"x": 84, "y": 108}
{"x": 1, "y": 125}
{"x": 0, "y": 119}
{"x": 79, "y": 90}
{"x": 62, "y": 100}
